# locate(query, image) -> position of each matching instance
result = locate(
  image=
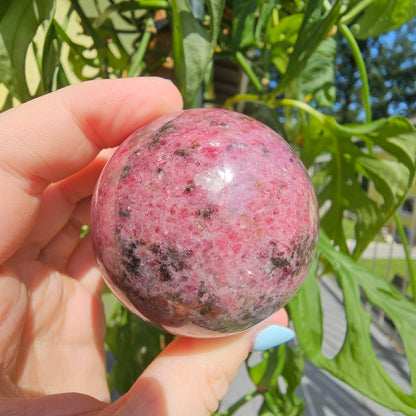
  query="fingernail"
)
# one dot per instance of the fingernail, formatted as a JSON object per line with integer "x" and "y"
{"x": 271, "y": 337}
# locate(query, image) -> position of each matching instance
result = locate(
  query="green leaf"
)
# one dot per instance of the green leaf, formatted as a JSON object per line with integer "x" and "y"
{"x": 19, "y": 22}
{"x": 76, "y": 58}
{"x": 133, "y": 343}
{"x": 282, "y": 38}
{"x": 397, "y": 137}
{"x": 50, "y": 59}
{"x": 383, "y": 16}
{"x": 356, "y": 363}
{"x": 119, "y": 60}
{"x": 193, "y": 45}
{"x": 264, "y": 374}
{"x": 318, "y": 77}
{"x": 315, "y": 27}
{"x": 389, "y": 169}
{"x": 244, "y": 19}
{"x": 278, "y": 376}
{"x": 8, "y": 103}
{"x": 285, "y": 32}
{"x": 266, "y": 9}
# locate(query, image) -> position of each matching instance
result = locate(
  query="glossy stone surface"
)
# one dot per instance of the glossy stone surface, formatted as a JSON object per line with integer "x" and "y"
{"x": 204, "y": 222}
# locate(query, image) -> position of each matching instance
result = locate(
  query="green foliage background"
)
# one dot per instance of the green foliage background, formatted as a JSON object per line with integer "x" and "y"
{"x": 287, "y": 50}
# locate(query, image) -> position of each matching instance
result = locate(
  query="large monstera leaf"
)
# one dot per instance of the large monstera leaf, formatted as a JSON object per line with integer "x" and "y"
{"x": 381, "y": 155}
{"x": 356, "y": 363}
{"x": 19, "y": 22}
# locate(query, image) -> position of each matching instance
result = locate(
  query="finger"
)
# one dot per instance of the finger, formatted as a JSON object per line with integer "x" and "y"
{"x": 59, "y": 250}
{"x": 58, "y": 203}
{"x": 191, "y": 376}
{"x": 52, "y": 137}
{"x": 82, "y": 266}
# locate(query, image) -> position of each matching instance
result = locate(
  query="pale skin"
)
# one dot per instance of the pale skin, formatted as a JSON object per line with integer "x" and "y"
{"x": 52, "y": 324}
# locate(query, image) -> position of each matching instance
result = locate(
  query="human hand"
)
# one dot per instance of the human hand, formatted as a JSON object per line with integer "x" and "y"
{"x": 52, "y": 324}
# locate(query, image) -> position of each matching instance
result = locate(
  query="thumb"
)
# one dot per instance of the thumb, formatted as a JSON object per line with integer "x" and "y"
{"x": 191, "y": 376}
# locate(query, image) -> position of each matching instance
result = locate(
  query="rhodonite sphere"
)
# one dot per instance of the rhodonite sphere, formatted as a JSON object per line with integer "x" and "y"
{"x": 204, "y": 222}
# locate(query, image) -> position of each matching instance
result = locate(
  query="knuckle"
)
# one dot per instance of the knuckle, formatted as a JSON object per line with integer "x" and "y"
{"x": 217, "y": 381}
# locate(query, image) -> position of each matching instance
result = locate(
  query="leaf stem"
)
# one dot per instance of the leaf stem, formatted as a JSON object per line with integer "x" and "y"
{"x": 410, "y": 265}
{"x": 248, "y": 70}
{"x": 289, "y": 102}
{"x": 272, "y": 102}
{"x": 241, "y": 97}
{"x": 134, "y": 69}
{"x": 233, "y": 408}
{"x": 355, "y": 11}
{"x": 125, "y": 6}
{"x": 150, "y": 4}
{"x": 359, "y": 60}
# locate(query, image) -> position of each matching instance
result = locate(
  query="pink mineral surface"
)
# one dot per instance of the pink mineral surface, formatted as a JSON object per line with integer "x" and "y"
{"x": 204, "y": 222}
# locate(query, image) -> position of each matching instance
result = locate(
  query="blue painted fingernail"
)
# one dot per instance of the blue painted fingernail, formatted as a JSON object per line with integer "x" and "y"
{"x": 272, "y": 336}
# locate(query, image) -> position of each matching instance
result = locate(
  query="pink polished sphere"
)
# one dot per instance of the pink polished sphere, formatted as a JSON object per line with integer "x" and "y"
{"x": 204, "y": 222}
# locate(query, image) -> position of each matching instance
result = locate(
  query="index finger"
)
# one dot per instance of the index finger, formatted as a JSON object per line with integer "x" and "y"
{"x": 54, "y": 136}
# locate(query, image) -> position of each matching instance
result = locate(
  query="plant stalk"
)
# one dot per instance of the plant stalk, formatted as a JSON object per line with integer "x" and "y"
{"x": 241, "y": 402}
{"x": 138, "y": 56}
{"x": 151, "y": 4}
{"x": 272, "y": 102}
{"x": 241, "y": 97}
{"x": 249, "y": 71}
{"x": 359, "y": 60}
{"x": 410, "y": 265}
{"x": 355, "y": 11}
{"x": 289, "y": 102}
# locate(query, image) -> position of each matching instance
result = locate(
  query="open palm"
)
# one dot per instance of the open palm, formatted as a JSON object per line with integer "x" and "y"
{"x": 51, "y": 316}
{"x": 53, "y": 299}
{"x": 52, "y": 323}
